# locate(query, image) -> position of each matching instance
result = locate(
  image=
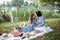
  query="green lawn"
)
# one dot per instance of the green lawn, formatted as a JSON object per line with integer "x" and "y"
{"x": 53, "y": 23}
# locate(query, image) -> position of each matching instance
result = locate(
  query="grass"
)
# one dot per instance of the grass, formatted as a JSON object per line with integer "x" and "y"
{"x": 53, "y": 23}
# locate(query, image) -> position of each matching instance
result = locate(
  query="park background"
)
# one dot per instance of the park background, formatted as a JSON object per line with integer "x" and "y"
{"x": 12, "y": 12}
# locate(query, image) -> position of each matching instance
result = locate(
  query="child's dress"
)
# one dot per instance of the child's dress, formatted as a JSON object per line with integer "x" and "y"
{"x": 27, "y": 29}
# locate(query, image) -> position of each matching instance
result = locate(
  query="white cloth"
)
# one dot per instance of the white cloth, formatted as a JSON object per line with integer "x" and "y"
{"x": 3, "y": 38}
{"x": 26, "y": 38}
{"x": 14, "y": 38}
{"x": 42, "y": 29}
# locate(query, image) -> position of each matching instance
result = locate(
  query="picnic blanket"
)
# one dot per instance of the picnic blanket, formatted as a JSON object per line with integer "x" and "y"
{"x": 43, "y": 30}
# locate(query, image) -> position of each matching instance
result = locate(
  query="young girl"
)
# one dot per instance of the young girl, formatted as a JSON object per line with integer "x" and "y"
{"x": 29, "y": 27}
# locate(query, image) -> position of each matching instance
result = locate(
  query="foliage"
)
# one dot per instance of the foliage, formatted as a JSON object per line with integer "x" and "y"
{"x": 48, "y": 14}
{"x": 23, "y": 11}
{"x": 17, "y": 3}
{"x": 50, "y": 1}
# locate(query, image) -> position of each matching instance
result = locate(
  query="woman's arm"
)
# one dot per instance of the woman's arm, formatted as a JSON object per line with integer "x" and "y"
{"x": 42, "y": 21}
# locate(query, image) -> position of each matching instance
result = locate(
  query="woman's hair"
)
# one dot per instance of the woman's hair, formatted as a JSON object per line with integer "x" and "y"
{"x": 38, "y": 13}
{"x": 31, "y": 17}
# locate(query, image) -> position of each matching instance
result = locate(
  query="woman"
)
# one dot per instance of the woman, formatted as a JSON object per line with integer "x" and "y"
{"x": 40, "y": 19}
{"x": 40, "y": 23}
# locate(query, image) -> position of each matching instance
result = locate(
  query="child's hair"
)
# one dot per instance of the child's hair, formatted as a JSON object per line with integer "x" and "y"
{"x": 31, "y": 17}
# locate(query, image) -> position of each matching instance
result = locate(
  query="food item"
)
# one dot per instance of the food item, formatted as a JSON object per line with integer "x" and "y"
{"x": 15, "y": 33}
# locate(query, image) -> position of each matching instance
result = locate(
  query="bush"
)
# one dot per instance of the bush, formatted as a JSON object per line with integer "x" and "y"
{"x": 23, "y": 13}
{"x": 6, "y": 18}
